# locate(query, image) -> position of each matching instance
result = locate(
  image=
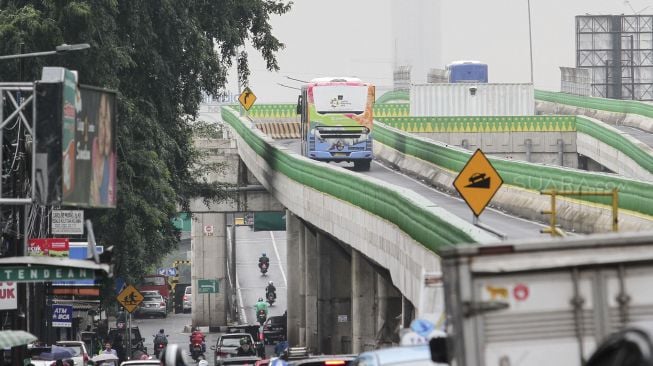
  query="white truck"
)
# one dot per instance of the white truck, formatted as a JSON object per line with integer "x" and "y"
{"x": 547, "y": 302}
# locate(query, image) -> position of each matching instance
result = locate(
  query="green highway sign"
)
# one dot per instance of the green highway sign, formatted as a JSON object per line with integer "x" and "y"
{"x": 40, "y": 274}
{"x": 207, "y": 286}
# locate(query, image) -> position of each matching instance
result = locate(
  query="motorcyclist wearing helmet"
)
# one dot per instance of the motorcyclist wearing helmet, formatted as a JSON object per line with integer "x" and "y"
{"x": 261, "y": 305}
{"x": 197, "y": 337}
{"x": 270, "y": 289}
{"x": 245, "y": 348}
{"x": 172, "y": 356}
{"x": 263, "y": 259}
{"x": 161, "y": 338}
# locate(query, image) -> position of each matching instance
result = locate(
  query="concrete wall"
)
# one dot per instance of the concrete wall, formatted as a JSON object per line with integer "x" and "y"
{"x": 534, "y": 147}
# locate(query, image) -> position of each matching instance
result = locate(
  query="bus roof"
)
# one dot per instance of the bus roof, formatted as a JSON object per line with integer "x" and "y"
{"x": 463, "y": 62}
{"x": 336, "y": 79}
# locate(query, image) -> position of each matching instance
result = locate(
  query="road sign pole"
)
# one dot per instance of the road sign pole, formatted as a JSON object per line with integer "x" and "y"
{"x": 129, "y": 338}
{"x": 209, "y": 312}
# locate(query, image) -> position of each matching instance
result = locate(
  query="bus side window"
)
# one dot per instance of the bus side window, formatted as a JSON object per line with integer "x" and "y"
{"x": 299, "y": 104}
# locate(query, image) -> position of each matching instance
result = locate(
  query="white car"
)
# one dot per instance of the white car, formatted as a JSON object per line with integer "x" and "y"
{"x": 80, "y": 357}
{"x": 187, "y": 299}
{"x": 141, "y": 363}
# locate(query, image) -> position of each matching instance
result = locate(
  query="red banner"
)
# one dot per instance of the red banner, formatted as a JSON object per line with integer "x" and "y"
{"x": 53, "y": 247}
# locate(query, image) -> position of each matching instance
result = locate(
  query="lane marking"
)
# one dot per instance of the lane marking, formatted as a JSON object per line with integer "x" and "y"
{"x": 274, "y": 245}
{"x": 243, "y": 316}
{"x": 455, "y": 198}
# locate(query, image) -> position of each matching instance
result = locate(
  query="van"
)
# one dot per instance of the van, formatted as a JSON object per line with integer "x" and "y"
{"x": 397, "y": 356}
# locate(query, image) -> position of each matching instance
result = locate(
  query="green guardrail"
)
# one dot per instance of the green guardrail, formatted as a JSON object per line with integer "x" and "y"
{"x": 394, "y": 96}
{"x": 548, "y": 123}
{"x": 616, "y": 140}
{"x": 427, "y": 228}
{"x": 634, "y": 195}
{"x": 603, "y": 104}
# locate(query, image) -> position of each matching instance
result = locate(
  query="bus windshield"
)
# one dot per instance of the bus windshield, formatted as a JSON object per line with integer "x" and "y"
{"x": 340, "y": 98}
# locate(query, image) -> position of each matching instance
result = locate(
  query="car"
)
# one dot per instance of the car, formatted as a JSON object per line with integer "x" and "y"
{"x": 324, "y": 360}
{"x": 80, "y": 357}
{"x": 150, "y": 293}
{"x": 274, "y": 329}
{"x": 141, "y": 363}
{"x": 152, "y": 305}
{"x": 136, "y": 338}
{"x": 187, "y": 300}
{"x": 255, "y": 331}
{"x": 396, "y": 356}
{"x": 226, "y": 346}
{"x": 247, "y": 360}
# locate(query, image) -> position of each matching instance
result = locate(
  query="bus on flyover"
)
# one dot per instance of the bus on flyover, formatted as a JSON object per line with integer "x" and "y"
{"x": 336, "y": 120}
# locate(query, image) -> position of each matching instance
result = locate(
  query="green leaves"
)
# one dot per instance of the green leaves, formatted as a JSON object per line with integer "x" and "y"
{"x": 160, "y": 55}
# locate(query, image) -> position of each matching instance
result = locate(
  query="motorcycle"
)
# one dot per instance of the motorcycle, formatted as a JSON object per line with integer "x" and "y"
{"x": 196, "y": 351}
{"x": 261, "y": 316}
{"x": 158, "y": 347}
{"x": 271, "y": 296}
{"x": 264, "y": 268}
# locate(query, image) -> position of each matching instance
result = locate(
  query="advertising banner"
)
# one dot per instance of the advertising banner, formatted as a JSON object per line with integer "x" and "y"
{"x": 75, "y": 144}
{"x": 38, "y": 247}
{"x": 53, "y": 247}
{"x": 8, "y": 296}
{"x": 62, "y": 316}
{"x": 58, "y": 247}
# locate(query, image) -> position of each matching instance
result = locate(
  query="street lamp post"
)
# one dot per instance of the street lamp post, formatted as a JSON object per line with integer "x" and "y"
{"x": 530, "y": 38}
{"x": 60, "y": 49}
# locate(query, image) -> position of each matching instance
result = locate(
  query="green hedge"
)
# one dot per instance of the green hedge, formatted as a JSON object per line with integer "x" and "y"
{"x": 634, "y": 195}
{"x": 427, "y": 228}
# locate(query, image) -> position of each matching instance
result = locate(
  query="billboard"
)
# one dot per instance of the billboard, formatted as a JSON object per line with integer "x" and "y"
{"x": 75, "y": 144}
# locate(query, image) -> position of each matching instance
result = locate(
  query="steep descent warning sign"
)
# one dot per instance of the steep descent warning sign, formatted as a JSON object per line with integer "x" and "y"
{"x": 477, "y": 182}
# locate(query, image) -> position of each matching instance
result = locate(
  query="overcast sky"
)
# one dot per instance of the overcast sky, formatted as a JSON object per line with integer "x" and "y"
{"x": 366, "y": 38}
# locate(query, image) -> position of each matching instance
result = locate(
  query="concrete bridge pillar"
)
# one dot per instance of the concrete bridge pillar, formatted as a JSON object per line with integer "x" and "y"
{"x": 364, "y": 303}
{"x": 209, "y": 260}
{"x": 301, "y": 274}
{"x": 333, "y": 297}
{"x": 311, "y": 283}
{"x": 294, "y": 227}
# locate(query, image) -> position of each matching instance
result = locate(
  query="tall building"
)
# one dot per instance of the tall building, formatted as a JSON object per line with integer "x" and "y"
{"x": 417, "y": 38}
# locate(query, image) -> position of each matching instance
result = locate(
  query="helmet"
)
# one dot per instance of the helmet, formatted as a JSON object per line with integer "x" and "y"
{"x": 203, "y": 363}
{"x": 161, "y": 331}
{"x": 172, "y": 356}
{"x": 270, "y": 283}
{"x": 243, "y": 341}
{"x": 260, "y": 299}
{"x": 263, "y": 255}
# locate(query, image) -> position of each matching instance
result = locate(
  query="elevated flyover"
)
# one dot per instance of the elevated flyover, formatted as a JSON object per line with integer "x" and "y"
{"x": 373, "y": 226}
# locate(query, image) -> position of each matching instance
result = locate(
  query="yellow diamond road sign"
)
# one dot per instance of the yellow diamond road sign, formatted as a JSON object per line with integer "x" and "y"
{"x": 130, "y": 298}
{"x": 247, "y": 98}
{"x": 478, "y": 182}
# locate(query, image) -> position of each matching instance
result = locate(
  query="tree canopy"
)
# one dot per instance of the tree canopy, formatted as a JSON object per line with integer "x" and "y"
{"x": 160, "y": 56}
